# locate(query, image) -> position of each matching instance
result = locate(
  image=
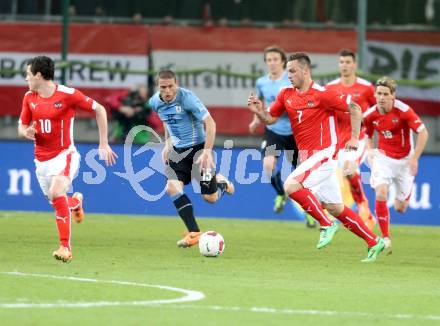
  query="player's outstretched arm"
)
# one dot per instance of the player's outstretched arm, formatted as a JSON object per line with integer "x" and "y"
{"x": 422, "y": 138}
{"x": 105, "y": 151}
{"x": 256, "y": 106}
{"x": 26, "y": 131}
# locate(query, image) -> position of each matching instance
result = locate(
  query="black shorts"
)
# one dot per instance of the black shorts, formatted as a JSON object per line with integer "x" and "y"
{"x": 274, "y": 145}
{"x": 181, "y": 167}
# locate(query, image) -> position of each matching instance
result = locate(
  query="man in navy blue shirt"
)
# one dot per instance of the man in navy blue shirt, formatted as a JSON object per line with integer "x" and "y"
{"x": 190, "y": 134}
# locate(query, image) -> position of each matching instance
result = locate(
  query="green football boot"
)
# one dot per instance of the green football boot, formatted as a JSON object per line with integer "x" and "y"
{"x": 374, "y": 251}
{"x": 326, "y": 235}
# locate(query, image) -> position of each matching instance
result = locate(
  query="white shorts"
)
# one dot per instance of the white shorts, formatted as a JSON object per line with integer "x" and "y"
{"x": 318, "y": 174}
{"x": 387, "y": 170}
{"x": 358, "y": 155}
{"x": 66, "y": 163}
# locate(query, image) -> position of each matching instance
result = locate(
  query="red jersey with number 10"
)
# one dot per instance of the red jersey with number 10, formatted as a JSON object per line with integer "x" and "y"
{"x": 54, "y": 118}
{"x": 393, "y": 128}
{"x": 362, "y": 93}
{"x": 312, "y": 116}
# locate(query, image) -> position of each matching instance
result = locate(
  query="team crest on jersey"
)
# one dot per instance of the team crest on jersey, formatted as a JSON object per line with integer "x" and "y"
{"x": 58, "y": 105}
{"x": 355, "y": 94}
{"x": 395, "y": 120}
{"x": 310, "y": 104}
{"x": 178, "y": 108}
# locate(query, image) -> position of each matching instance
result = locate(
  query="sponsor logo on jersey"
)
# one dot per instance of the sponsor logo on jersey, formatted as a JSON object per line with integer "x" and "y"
{"x": 375, "y": 122}
{"x": 58, "y": 105}
{"x": 33, "y": 105}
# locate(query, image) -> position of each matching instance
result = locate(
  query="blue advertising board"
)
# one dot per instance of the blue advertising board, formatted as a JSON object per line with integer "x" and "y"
{"x": 136, "y": 185}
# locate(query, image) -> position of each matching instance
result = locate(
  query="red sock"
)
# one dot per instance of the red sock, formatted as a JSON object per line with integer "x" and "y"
{"x": 73, "y": 202}
{"x": 311, "y": 205}
{"x": 62, "y": 213}
{"x": 354, "y": 223}
{"x": 383, "y": 217}
{"x": 357, "y": 191}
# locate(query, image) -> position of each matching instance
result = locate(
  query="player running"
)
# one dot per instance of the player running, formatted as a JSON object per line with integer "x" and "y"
{"x": 311, "y": 111}
{"x": 394, "y": 161}
{"x": 190, "y": 134}
{"x": 362, "y": 92}
{"x": 46, "y": 118}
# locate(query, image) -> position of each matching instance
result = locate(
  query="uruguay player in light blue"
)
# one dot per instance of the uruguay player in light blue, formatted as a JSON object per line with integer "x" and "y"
{"x": 189, "y": 134}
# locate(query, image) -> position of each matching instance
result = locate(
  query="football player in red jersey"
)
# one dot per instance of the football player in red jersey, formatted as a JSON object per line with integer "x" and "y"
{"x": 362, "y": 92}
{"x": 46, "y": 118}
{"x": 313, "y": 184}
{"x": 394, "y": 161}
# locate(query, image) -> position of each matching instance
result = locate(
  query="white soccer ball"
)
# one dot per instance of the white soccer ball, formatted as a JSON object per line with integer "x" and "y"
{"x": 211, "y": 244}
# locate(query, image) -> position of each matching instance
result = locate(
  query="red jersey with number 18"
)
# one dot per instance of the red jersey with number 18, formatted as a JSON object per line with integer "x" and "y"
{"x": 393, "y": 128}
{"x": 54, "y": 118}
{"x": 312, "y": 116}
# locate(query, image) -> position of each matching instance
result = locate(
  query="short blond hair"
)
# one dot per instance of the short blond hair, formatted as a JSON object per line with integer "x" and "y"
{"x": 387, "y": 82}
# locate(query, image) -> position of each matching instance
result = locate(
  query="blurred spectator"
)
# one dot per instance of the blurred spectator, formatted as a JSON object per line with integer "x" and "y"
{"x": 137, "y": 18}
{"x": 130, "y": 109}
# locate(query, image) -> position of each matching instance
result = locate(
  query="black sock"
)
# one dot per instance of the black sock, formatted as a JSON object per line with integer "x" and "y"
{"x": 222, "y": 186}
{"x": 277, "y": 184}
{"x": 186, "y": 213}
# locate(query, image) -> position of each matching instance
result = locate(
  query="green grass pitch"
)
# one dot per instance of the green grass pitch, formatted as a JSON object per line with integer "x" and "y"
{"x": 269, "y": 274}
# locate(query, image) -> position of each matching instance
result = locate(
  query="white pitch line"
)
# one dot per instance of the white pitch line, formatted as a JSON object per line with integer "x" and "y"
{"x": 190, "y": 295}
{"x": 193, "y": 296}
{"x": 286, "y": 311}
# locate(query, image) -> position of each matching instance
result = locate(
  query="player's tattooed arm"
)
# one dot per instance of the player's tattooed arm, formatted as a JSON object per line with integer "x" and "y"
{"x": 356, "y": 119}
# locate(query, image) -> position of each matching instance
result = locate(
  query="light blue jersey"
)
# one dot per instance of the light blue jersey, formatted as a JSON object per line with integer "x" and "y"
{"x": 183, "y": 117}
{"x": 268, "y": 89}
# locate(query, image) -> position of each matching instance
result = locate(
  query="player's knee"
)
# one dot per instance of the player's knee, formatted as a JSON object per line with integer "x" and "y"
{"x": 291, "y": 187}
{"x": 211, "y": 198}
{"x": 334, "y": 209}
{"x": 171, "y": 188}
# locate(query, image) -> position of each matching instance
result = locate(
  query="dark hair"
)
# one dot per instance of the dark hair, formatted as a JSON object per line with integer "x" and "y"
{"x": 302, "y": 58}
{"x": 43, "y": 65}
{"x": 166, "y": 74}
{"x": 347, "y": 53}
{"x": 276, "y": 49}
{"x": 387, "y": 82}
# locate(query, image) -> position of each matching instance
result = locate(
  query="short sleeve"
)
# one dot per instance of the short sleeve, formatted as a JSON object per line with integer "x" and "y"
{"x": 277, "y": 107}
{"x": 83, "y": 102}
{"x": 413, "y": 120}
{"x": 26, "y": 114}
{"x": 335, "y": 101}
{"x": 370, "y": 96}
{"x": 193, "y": 104}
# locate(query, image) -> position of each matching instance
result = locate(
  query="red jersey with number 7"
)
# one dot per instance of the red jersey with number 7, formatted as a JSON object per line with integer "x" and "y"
{"x": 312, "y": 116}
{"x": 54, "y": 118}
{"x": 393, "y": 128}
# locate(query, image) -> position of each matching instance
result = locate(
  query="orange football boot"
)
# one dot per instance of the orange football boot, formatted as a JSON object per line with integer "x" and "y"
{"x": 78, "y": 212}
{"x": 63, "y": 254}
{"x": 190, "y": 239}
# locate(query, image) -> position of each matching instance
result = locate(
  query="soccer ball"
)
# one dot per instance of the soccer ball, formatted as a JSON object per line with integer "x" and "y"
{"x": 211, "y": 244}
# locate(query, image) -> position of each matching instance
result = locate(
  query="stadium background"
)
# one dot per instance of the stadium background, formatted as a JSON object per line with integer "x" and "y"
{"x": 217, "y": 50}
